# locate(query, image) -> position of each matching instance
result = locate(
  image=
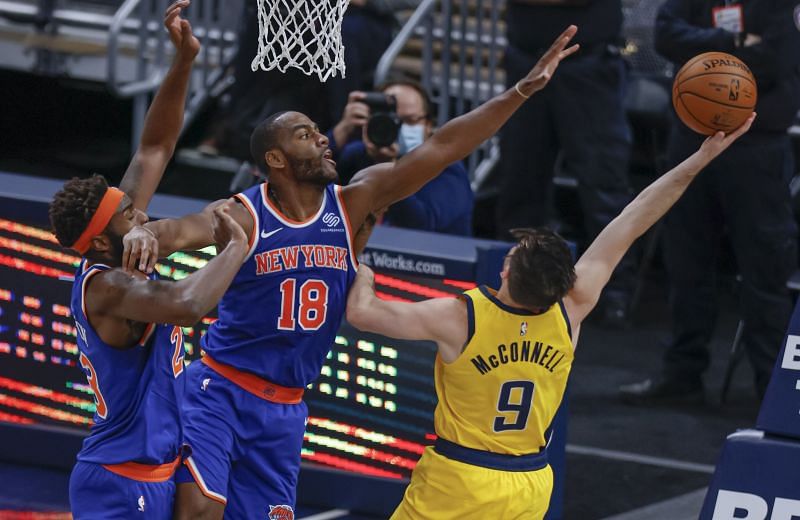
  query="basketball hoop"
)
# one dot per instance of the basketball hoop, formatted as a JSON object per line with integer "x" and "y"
{"x": 304, "y": 34}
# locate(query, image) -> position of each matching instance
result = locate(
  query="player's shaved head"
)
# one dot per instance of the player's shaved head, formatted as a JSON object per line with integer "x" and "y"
{"x": 266, "y": 137}
{"x": 540, "y": 271}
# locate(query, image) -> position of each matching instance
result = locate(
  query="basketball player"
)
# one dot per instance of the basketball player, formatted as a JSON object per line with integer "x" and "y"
{"x": 504, "y": 357}
{"x": 243, "y": 413}
{"x": 133, "y": 362}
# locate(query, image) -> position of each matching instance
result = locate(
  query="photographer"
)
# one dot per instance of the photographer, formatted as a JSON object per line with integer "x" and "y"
{"x": 393, "y": 122}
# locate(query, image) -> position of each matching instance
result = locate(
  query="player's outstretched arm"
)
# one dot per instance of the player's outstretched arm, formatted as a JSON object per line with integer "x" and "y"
{"x": 164, "y": 119}
{"x": 595, "y": 266}
{"x": 443, "y": 320}
{"x": 144, "y": 245}
{"x": 383, "y": 184}
{"x": 117, "y": 294}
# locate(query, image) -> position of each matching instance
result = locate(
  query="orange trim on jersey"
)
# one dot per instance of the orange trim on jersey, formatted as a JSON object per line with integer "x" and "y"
{"x": 145, "y": 472}
{"x": 254, "y": 233}
{"x": 83, "y": 290}
{"x": 265, "y": 196}
{"x": 202, "y": 485}
{"x": 146, "y": 334}
{"x": 337, "y": 190}
{"x": 102, "y": 216}
{"x": 255, "y": 385}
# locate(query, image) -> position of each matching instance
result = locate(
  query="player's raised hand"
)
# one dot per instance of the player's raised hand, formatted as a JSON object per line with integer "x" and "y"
{"x": 719, "y": 142}
{"x": 541, "y": 73}
{"x": 226, "y": 229}
{"x": 180, "y": 30}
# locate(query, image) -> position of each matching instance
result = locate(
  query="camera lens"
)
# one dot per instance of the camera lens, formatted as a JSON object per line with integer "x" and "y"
{"x": 382, "y": 129}
{"x": 383, "y": 124}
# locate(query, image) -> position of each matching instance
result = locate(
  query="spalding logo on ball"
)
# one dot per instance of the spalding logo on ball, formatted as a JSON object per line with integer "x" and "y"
{"x": 714, "y": 91}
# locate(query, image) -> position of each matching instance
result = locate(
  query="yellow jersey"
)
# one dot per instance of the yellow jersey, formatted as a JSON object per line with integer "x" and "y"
{"x": 503, "y": 391}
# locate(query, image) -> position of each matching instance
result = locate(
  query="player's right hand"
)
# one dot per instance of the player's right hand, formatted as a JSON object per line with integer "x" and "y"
{"x": 226, "y": 230}
{"x": 139, "y": 250}
{"x": 180, "y": 30}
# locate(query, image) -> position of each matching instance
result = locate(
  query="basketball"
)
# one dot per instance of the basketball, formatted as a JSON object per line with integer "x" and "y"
{"x": 714, "y": 91}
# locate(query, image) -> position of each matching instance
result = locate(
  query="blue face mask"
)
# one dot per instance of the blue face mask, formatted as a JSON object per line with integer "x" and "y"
{"x": 410, "y": 137}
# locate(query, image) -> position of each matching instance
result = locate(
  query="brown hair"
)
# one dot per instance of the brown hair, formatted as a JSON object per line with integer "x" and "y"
{"x": 541, "y": 270}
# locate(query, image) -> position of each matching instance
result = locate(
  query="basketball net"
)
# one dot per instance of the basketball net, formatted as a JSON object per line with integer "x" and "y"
{"x": 304, "y": 34}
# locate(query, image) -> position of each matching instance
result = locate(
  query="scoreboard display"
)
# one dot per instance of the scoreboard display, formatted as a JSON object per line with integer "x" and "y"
{"x": 371, "y": 409}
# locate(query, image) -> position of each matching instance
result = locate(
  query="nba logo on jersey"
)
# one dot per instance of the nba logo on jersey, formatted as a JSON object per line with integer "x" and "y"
{"x": 523, "y": 328}
{"x": 141, "y": 504}
{"x": 281, "y": 512}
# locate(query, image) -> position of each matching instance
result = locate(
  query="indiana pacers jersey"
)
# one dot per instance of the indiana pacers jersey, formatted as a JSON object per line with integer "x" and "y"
{"x": 496, "y": 403}
{"x": 136, "y": 390}
{"x": 502, "y": 393}
{"x": 279, "y": 317}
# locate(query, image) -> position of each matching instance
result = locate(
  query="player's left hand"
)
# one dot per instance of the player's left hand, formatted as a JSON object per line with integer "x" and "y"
{"x": 180, "y": 30}
{"x": 719, "y": 142}
{"x": 541, "y": 73}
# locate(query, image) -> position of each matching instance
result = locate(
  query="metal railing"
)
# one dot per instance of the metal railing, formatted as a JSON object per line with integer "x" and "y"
{"x": 462, "y": 43}
{"x": 214, "y": 23}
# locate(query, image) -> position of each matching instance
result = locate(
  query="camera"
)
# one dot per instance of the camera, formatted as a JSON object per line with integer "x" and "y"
{"x": 383, "y": 124}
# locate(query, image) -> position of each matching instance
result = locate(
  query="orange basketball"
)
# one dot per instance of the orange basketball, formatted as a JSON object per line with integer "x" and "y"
{"x": 714, "y": 91}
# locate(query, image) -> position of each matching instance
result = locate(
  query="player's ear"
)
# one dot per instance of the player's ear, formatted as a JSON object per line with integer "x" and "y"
{"x": 275, "y": 159}
{"x": 101, "y": 243}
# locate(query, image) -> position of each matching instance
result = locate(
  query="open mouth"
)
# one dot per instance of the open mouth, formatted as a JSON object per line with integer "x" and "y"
{"x": 328, "y": 156}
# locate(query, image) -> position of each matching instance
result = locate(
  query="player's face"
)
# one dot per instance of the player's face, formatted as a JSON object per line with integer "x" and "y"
{"x": 307, "y": 150}
{"x": 123, "y": 221}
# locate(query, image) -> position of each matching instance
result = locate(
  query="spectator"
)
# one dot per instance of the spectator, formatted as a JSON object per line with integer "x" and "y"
{"x": 444, "y": 205}
{"x": 579, "y": 114}
{"x": 746, "y": 191}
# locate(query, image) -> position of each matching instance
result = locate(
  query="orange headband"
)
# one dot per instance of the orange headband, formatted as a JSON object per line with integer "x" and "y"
{"x": 108, "y": 206}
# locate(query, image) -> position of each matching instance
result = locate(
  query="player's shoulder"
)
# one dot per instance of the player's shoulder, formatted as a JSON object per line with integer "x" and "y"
{"x": 109, "y": 284}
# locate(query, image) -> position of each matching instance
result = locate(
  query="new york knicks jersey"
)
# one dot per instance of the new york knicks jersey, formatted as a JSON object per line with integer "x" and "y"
{"x": 503, "y": 391}
{"x": 136, "y": 390}
{"x": 279, "y": 317}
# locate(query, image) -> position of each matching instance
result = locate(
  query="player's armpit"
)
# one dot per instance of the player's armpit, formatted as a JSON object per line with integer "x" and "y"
{"x": 591, "y": 278}
{"x": 362, "y": 195}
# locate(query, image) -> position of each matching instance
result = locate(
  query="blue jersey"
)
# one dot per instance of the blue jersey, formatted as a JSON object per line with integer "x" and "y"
{"x": 137, "y": 390}
{"x": 280, "y": 315}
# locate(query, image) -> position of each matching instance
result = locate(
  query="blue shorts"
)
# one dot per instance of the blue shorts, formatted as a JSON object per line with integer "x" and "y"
{"x": 243, "y": 451}
{"x": 95, "y": 493}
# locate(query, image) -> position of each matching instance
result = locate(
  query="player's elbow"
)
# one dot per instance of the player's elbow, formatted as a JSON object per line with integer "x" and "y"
{"x": 187, "y": 311}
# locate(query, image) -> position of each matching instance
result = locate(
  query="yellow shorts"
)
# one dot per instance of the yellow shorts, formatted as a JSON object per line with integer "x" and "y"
{"x": 443, "y": 489}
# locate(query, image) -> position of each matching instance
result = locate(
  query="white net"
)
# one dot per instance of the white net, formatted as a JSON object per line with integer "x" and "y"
{"x": 304, "y": 34}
